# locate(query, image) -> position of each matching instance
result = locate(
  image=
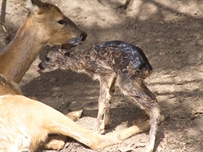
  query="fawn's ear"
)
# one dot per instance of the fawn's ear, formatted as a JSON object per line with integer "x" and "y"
{"x": 31, "y": 5}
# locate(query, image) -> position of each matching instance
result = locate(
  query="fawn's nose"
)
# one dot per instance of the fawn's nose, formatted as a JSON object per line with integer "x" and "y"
{"x": 40, "y": 66}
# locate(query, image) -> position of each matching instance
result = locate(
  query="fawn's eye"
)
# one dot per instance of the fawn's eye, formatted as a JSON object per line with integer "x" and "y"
{"x": 63, "y": 21}
{"x": 47, "y": 59}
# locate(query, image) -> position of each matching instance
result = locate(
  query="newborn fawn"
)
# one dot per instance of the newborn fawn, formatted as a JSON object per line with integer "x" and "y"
{"x": 112, "y": 63}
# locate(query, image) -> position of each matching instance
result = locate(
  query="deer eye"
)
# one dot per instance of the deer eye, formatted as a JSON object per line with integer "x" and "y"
{"x": 63, "y": 21}
{"x": 47, "y": 59}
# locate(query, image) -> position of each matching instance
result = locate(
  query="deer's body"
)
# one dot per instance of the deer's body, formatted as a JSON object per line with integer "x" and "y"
{"x": 113, "y": 62}
{"x": 26, "y": 123}
{"x": 8, "y": 87}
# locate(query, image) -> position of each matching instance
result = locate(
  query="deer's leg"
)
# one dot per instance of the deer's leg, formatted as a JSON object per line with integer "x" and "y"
{"x": 107, "y": 86}
{"x": 58, "y": 142}
{"x": 135, "y": 88}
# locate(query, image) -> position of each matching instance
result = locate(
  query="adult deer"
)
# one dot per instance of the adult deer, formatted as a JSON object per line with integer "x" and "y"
{"x": 44, "y": 25}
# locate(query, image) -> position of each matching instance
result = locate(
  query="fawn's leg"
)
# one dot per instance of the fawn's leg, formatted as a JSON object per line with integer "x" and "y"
{"x": 135, "y": 88}
{"x": 107, "y": 86}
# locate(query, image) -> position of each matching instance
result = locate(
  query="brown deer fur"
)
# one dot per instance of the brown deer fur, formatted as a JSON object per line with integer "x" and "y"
{"x": 113, "y": 62}
{"x": 44, "y": 25}
{"x": 8, "y": 87}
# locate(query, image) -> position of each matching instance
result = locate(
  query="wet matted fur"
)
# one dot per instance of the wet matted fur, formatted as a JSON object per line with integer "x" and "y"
{"x": 112, "y": 63}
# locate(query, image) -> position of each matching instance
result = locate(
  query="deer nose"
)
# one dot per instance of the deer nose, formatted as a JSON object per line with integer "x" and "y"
{"x": 84, "y": 36}
{"x": 40, "y": 66}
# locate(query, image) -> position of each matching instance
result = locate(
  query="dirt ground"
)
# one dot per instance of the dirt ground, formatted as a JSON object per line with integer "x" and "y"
{"x": 170, "y": 33}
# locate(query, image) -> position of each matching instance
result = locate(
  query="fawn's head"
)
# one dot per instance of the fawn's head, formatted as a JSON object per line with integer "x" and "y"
{"x": 53, "y": 60}
{"x": 50, "y": 24}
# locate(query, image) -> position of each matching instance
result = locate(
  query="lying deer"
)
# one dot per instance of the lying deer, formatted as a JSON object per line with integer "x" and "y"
{"x": 25, "y": 124}
{"x": 113, "y": 62}
{"x": 28, "y": 123}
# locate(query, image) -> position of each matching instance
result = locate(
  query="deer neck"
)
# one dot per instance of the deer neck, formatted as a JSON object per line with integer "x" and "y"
{"x": 17, "y": 57}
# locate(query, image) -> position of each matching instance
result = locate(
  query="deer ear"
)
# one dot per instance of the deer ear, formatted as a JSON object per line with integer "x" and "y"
{"x": 30, "y": 5}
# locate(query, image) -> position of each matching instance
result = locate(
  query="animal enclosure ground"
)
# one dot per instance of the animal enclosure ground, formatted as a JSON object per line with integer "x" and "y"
{"x": 169, "y": 32}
